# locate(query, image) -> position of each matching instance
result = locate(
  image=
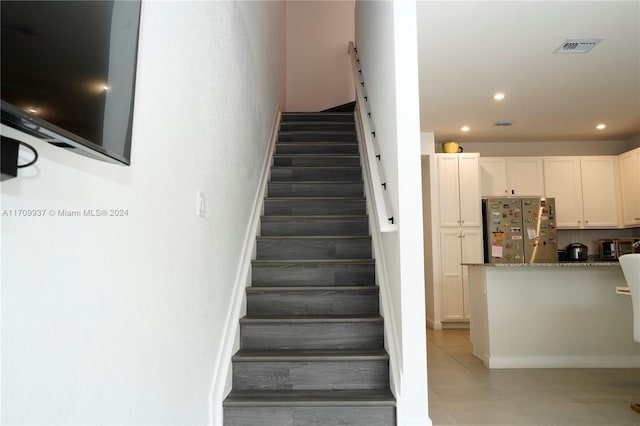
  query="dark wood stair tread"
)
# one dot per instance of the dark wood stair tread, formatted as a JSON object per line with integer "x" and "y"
{"x": 372, "y": 397}
{"x": 299, "y": 319}
{"x": 274, "y": 262}
{"x": 285, "y": 355}
{"x": 363, "y": 289}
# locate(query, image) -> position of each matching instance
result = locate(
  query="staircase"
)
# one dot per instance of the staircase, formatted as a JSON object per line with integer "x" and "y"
{"x": 311, "y": 344}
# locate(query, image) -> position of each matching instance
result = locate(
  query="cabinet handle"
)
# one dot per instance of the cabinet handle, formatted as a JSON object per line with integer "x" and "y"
{"x": 586, "y": 221}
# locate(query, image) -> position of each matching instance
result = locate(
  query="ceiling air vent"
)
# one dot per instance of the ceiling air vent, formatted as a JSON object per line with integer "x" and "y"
{"x": 503, "y": 123}
{"x": 578, "y": 45}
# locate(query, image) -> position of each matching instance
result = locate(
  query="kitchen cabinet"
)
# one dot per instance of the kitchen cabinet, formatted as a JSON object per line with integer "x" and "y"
{"x": 457, "y": 246}
{"x": 458, "y": 177}
{"x": 460, "y": 229}
{"x": 511, "y": 176}
{"x": 584, "y": 189}
{"x": 630, "y": 187}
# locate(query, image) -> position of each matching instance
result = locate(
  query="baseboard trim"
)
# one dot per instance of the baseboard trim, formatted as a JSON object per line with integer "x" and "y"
{"x": 219, "y": 387}
{"x": 576, "y": 361}
{"x": 455, "y": 325}
{"x": 434, "y": 325}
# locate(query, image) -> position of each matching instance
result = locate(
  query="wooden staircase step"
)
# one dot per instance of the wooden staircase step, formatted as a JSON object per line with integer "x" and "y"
{"x": 339, "y": 272}
{"x": 316, "y": 148}
{"x": 315, "y": 247}
{"x": 315, "y": 189}
{"x": 317, "y": 136}
{"x": 314, "y": 225}
{"x": 366, "y": 369}
{"x": 358, "y": 407}
{"x": 321, "y": 301}
{"x": 311, "y": 174}
{"x": 317, "y": 126}
{"x": 310, "y": 398}
{"x": 317, "y": 116}
{"x": 312, "y": 332}
{"x": 314, "y": 206}
{"x": 316, "y": 160}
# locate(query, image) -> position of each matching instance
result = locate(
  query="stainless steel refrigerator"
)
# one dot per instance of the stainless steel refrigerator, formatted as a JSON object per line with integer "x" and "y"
{"x": 520, "y": 230}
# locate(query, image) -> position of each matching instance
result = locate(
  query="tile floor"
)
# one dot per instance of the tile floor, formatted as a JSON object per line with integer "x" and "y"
{"x": 462, "y": 391}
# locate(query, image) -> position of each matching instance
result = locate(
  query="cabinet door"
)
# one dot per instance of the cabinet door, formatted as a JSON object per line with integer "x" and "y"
{"x": 562, "y": 182}
{"x": 493, "y": 176}
{"x": 472, "y": 252}
{"x": 472, "y": 248}
{"x": 448, "y": 190}
{"x": 526, "y": 177}
{"x": 451, "y": 275}
{"x": 470, "y": 198}
{"x": 599, "y": 202}
{"x": 630, "y": 180}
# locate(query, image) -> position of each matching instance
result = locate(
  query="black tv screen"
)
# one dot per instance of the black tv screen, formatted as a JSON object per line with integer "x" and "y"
{"x": 68, "y": 73}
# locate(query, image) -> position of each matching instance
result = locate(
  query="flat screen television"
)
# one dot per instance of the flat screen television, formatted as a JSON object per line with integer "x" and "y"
{"x": 68, "y": 73}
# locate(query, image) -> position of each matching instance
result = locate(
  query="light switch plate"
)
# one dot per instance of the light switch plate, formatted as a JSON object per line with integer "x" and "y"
{"x": 201, "y": 204}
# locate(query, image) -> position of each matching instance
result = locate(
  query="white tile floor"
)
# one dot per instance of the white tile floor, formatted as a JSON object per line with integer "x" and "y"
{"x": 462, "y": 391}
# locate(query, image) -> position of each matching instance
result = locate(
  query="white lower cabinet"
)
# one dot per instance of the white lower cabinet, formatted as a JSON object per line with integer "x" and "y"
{"x": 458, "y": 245}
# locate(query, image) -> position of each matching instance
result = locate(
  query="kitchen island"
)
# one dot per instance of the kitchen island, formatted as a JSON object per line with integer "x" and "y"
{"x": 552, "y": 315}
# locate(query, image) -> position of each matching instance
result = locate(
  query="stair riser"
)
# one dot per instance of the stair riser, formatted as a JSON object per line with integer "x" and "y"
{"x": 350, "y": 189}
{"x": 317, "y": 161}
{"x": 315, "y": 227}
{"x": 310, "y": 416}
{"x": 317, "y": 137}
{"x": 311, "y": 302}
{"x": 305, "y": 375}
{"x": 297, "y": 117}
{"x": 329, "y": 335}
{"x": 313, "y": 275}
{"x": 316, "y": 148}
{"x": 317, "y": 126}
{"x": 311, "y": 174}
{"x": 281, "y": 249}
{"x": 314, "y": 207}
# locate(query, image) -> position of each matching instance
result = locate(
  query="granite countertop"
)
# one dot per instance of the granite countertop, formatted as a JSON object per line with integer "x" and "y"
{"x": 558, "y": 264}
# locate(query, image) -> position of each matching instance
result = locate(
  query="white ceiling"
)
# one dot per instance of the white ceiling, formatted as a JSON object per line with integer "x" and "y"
{"x": 470, "y": 50}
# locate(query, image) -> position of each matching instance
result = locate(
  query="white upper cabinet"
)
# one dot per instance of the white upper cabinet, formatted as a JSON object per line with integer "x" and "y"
{"x": 562, "y": 182}
{"x": 512, "y": 176}
{"x": 599, "y": 201}
{"x": 584, "y": 189}
{"x": 459, "y": 198}
{"x": 630, "y": 183}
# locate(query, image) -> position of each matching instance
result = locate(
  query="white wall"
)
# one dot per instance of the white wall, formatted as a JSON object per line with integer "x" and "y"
{"x": 386, "y": 38}
{"x": 318, "y": 68}
{"x": 117, "y": 320}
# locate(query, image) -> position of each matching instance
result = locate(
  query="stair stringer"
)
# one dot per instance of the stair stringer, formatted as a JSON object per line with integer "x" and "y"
{"x": 391, "y": 337}
{"x": 221, "y": 380}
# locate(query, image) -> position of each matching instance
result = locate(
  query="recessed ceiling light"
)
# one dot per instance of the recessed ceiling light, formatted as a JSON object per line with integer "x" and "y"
{"x": 32, "y": 110}
{"x": 498, "y": 96}
{"x": 601, "y": 126}
{"x": 465, "y": 128}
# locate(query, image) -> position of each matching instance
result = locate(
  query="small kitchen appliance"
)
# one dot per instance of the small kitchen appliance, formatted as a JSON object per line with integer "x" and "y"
{"x": 577, "y": 252}
{"x": 612, "y": 249}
